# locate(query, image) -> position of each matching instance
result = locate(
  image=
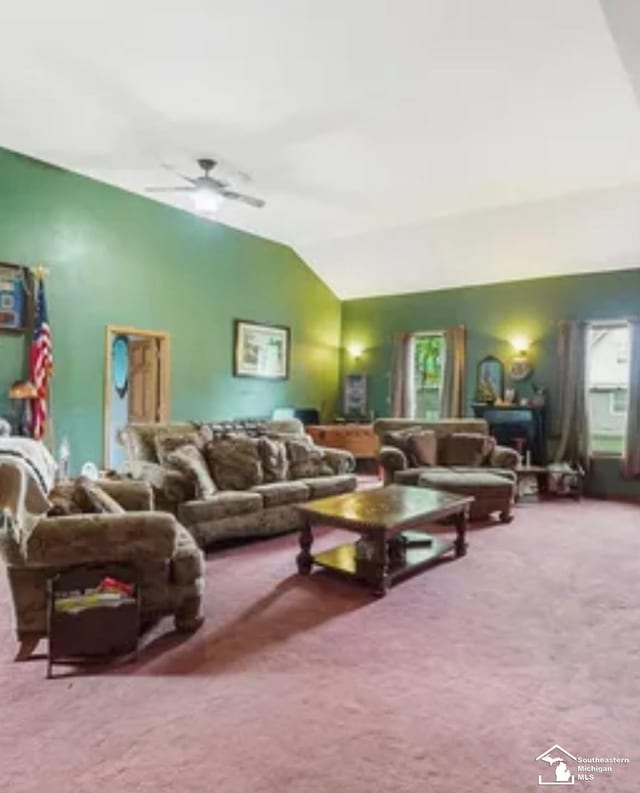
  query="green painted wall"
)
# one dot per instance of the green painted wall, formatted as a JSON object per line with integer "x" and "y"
{"x": 117, "y": 258}
{"x": 493, "y": 314}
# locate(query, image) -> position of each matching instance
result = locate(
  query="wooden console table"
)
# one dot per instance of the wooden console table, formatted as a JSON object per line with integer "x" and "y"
{"x": 359, "y": 439}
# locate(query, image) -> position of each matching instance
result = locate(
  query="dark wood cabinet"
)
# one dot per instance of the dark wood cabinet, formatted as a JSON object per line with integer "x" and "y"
{"x": 359, "y": 439}
{"x": 509, "y": 423}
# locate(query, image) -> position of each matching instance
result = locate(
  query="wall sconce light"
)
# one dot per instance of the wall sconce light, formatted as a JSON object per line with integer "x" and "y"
{"x": 521, "y": 345}
{"x": 355, "y": 351}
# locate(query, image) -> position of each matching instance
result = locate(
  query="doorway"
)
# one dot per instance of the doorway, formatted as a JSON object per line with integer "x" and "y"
{"x": 137, "y": 382}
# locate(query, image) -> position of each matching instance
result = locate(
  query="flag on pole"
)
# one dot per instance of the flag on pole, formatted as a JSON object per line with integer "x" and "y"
{"x": 40, "y": 364}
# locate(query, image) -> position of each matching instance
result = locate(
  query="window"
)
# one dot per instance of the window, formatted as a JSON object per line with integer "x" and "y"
{"x": 607, "y": 384}
{"x": 428, "y": 366}
{"x": 618, "y": 401}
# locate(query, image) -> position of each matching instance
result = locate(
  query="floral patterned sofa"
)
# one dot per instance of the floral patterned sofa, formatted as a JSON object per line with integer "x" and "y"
{"x": 234, "y": 479}
{"x": 455, "y": 455}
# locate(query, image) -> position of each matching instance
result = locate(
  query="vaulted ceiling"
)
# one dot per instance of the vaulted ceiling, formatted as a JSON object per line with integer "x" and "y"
{"x": 400, "y": 144}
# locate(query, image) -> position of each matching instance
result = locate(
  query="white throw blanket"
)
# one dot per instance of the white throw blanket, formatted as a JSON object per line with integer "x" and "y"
{"x": 27, "y": 473}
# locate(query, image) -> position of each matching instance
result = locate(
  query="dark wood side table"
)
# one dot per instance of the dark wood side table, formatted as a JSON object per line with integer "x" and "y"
{"x": 81, "y": 631}
{"x": 380, "y": 516}
{"x": 538, "y": 472}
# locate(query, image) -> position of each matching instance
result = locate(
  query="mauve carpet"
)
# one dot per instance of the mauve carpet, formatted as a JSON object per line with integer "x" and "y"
{"x": 456, "y": 681}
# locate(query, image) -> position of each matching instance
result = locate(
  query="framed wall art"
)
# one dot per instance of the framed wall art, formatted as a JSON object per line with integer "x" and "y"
{"x": 261, "y": 350}
{"x": 355, "y": 395}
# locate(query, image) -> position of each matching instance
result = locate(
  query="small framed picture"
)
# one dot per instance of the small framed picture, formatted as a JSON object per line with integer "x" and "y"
{"x": 355, "y": 395}
{"x": 261, "y": 350}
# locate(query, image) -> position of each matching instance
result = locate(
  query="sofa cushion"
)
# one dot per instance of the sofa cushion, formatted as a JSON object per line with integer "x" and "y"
{"x": 273, "y": 454}
{"x": 234, "y": 462}
{"x": 305, "y": 460}
{"x": 189, "y": 460}
{"x": 467, "y": 448}
{"x": 423, "y": 447}
{"x": 505, "y": 473}
{"x": 221, "y": 505}
{"x": 331, "y": 485}
{"x": 409, "y": 476}
{"x": 169, "y": 442}
{"x": 400, "y": 439}
{"x": 277, "y": 494}
{"x": 472, "y": 484}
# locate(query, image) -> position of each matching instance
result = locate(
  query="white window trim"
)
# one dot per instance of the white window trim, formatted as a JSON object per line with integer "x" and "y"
{"x": 612, "y": 324}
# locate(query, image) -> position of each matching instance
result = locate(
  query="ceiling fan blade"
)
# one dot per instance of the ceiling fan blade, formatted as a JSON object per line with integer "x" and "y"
{"x": 170, "y": 168}
{"x": 180, "y": 189}
{"x": 245, "y": 199}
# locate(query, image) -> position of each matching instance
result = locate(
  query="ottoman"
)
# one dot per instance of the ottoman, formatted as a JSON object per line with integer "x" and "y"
{"x": 492, "y": 492}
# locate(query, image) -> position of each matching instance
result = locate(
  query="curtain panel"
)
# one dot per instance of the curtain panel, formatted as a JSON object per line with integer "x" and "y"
{"x": 572, "y": 415}
{"x": 402, "y": 391}
{"x": 631, "y": 456}
{"x": 452, "y": 397}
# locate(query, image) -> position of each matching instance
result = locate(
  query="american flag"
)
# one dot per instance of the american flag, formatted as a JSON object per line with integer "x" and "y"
{"x": 40, "y": 364}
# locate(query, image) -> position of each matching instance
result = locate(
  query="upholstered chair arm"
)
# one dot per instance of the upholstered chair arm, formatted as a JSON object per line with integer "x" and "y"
{"x": 504, "y": 457}
{"x": 391, "y": 459}
{"x": 10, "y": 550}
{"x": 132, "y": 495}
{"x": 80, "y": 539}
{"x": 341, "y": 461}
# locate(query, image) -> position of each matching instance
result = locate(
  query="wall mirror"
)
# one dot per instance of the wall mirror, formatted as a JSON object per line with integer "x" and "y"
{"x": 490, "y": 380}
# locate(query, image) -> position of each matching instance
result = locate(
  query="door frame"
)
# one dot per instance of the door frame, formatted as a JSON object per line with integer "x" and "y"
{"x": 164, "y": 350}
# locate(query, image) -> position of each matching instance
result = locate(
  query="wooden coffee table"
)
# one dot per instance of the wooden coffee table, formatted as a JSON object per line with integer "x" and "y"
{"x": 391, "y": 522}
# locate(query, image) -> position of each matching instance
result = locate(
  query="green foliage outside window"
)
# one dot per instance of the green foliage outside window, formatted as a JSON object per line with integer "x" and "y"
{"x": 428, "y": 361}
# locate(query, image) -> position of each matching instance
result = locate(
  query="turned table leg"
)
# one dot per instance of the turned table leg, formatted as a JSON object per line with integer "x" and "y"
{"x": 462, "y": 519}
{"x": 382, "y": 578}
{"x": 304, "y": 558}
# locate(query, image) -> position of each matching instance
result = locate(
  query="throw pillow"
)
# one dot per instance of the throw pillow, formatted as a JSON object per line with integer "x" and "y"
{"x": 189, "y": 460}
{"x": 400, "y": 439}
{"x": 423, "y": 447}
{"x": 97, "y": 499}
{"x": 234, "y": 462}
{"x": 489, "y": 446}
{"x": 273, "y": 454}
{"x": 305, "y": 460}
{"x": 166, "y": 443}
{"x": 64, "y": 500}
{"x": 466, "y": 448}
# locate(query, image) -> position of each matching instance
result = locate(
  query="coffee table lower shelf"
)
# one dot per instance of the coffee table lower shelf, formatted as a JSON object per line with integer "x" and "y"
{"x": 342, "y": 560}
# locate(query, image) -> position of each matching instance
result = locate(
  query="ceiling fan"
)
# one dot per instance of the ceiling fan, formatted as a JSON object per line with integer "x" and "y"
{"x": 207, "y": 191}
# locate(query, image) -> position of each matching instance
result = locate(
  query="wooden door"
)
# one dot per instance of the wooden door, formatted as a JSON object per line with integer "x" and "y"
{"x": 144, "y": 380}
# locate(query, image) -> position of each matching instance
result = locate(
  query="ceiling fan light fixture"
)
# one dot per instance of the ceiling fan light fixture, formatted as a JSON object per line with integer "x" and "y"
{"x": 206, "y": 201}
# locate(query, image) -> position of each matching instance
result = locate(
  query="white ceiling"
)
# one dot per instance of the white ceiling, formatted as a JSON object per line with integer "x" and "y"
{"x": 399, "y": 144}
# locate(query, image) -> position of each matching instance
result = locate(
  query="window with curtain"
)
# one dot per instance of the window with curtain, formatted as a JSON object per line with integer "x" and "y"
{"x": 608, "y": 385}
{"x": 427, "y": 359}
